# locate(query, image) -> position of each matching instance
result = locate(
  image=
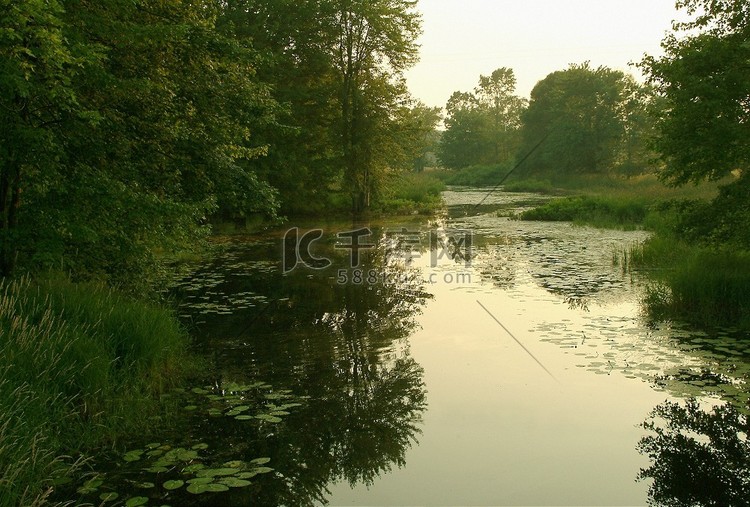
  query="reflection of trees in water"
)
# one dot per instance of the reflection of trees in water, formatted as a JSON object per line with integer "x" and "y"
{"x": 697, "y": 457}
{"x": 346, "y": 347}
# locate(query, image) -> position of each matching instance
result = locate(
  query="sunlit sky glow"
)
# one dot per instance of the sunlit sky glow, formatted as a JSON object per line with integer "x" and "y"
{"x": 466, "y": 38}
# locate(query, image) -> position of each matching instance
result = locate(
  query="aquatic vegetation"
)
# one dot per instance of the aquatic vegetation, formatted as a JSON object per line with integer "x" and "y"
{"x": 166, "y": 470}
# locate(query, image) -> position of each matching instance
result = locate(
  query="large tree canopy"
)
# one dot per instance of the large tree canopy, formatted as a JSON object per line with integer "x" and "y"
{"x": 336, "y": 65}
{"x": 126, "y": 125}
{"x": 589, "y": 120}
{"x": 704, "y": 82}
{"x": 123, "y": 124}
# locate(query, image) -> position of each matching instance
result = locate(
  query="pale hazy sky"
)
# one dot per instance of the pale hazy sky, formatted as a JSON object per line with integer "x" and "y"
{"x": 465, "y": 38}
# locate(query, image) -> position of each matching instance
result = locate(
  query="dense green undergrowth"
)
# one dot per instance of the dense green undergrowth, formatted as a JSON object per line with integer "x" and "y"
{"x": 705, "y": 286}
{"x": 598, "y": 211}
{"x": 410, "y": 193}
{"x": 81, "y": 367}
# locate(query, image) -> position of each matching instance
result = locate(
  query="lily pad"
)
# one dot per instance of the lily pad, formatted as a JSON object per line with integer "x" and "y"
{"x": 194, "y": 467}
{"x": 90, "y": 486}
{"x": 263, "y": 470}
{"x": 234, "y": 463}
{"x": 200, "y": 447}
{"x": 213, "y": 487}
{"x": 260, "y": 461}
{"x": 153, "y": 445}
{"x": 200, "y": 480}
{"x": 174, "y": 484}
{"x": 244, "y": 417}
{"x": 216, "y": 472}
{"x": 136, "y": 501}
{"x": 109, "y": 496}
{"x": 146, "y": 485}
{"x": 234, "y": 482}
{"x": 246, "y": 475}
{"x": 133, "y": 455}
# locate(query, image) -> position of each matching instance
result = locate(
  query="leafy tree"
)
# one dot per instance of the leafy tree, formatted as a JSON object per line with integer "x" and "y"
{"x": 127, "y": 121}
{"x": 482, "y": 127}
{"x": 336, "y": 66}
{"x": 375, "y": 41}
{"x": 462, "y": 143}
{"x": 37, "y": 67}
{"x": 294, "y": 38}
{"x": 418, "y": 135}
{"x": 584, "y": 116}
{"x": 704, "y": 82}
{"x": 702, "y": 128}
{"x": 496, "y": 98}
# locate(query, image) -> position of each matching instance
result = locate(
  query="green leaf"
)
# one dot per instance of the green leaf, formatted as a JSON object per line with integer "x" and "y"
{"x": 201, "y": 480}
{"x": 109, "y": 496}
{"x": 234, "y": 482}
{"x": 216, "y": 472}
{"x": 194, "y": 467}
{"x": 260, "y": 461}
{"x": 133, "y": 455}
{"x": 173, "y": 484}
{"x": 136, "y": 501}
{"x": 213, "y": 487}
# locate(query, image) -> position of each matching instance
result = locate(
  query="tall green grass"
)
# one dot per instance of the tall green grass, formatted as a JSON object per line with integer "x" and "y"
{"x": 475, "y": 176}
{"x": 696, "y": 284}
{"x": 411, "y": 192}
{"x": 599, "y": 211}
{"x": 80, "y": 366}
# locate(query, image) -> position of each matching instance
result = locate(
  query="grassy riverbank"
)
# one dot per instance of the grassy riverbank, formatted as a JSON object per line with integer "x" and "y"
{"x": 708, "y": 287}
{"x": 81, "y": 367}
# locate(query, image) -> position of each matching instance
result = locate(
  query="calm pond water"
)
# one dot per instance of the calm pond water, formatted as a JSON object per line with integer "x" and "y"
{"x": 474, "y": 360}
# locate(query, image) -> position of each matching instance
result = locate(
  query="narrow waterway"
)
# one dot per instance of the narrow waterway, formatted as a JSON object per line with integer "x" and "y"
{"x": 468, "y": 359}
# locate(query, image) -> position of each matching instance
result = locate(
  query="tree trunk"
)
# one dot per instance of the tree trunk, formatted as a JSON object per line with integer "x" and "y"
{"x": 10, "y": 199}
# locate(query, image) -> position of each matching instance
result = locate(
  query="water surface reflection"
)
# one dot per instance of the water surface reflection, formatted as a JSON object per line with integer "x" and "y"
{"x": 498, "y": 430}
{"x": 345, "y": 346}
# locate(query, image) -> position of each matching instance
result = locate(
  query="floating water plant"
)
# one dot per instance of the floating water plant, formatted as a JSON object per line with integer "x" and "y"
{"x": 165, "y": 469}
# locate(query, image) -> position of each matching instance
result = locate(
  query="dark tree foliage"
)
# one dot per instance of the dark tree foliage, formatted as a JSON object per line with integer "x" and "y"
{"x": 336, "y": 66}
{"x": 127, "y": 126}
{"x": 704, "y": 81}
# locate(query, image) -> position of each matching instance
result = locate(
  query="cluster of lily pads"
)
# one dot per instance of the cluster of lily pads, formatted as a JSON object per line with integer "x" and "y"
{"x": 194, "y": 476}
{"x": 233, "y": 400}
{"x": 186, "y": 467}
